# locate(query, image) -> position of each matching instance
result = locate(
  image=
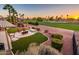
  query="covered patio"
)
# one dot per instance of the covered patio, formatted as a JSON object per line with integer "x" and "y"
{"x": 4, "y": 37}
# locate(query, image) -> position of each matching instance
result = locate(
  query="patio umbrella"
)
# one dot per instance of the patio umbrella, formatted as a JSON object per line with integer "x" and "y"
{"x": 5, "y": 24}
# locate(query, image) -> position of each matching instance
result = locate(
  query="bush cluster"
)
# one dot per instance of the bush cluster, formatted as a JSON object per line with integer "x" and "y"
{"x": 33, "y": 23}
{"x": 57, "y": 41}
{"x": 58, "y": 36}
{"x": 57, "y": 46}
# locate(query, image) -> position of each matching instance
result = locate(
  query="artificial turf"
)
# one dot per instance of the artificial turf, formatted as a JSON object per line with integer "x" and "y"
{"x": 23, "y": 43}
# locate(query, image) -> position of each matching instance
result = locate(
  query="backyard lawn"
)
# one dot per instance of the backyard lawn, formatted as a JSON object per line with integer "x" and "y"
{"x": 23, "y": 43}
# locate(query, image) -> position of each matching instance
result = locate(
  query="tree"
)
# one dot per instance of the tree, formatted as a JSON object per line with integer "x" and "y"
{"x": 14, "y": 16}
{"x": 39, "y": 19}
{"x": 34, "y": 18}
{"x": 9, "y": 8}
{"x": 17, "y": 17}
{"x": 56, "y": 18}
{"x": 28, "y": 18}
{"x": 67, "y": 16}
{"x": 21, "y": 17}
{"x": 12, "y": 13}
{"x": 59, "y": 18}
{"x": 51, "y": 18}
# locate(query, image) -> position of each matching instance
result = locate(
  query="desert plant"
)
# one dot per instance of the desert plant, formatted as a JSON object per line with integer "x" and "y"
{"x": 46, "y": 31}
{"x": 33, "y": 28}
{"x": 38, "y": 29}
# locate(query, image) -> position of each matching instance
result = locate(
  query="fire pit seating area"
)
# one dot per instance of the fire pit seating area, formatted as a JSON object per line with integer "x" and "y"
{"x": 24, "y": 32}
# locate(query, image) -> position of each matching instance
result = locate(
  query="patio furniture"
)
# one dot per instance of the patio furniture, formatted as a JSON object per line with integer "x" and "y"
{"x": 33, "y": 28}
{"x": 24, "y": 32}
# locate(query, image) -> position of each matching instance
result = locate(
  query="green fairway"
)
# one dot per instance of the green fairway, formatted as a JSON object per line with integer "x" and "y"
{"x": 23, "y": 43}
{"x": 69, "y": 26}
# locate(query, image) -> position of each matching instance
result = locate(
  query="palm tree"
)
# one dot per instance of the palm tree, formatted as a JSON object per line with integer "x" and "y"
{"x": 12, "y": 11}
{"x": 56, "y": 18}
{"x": 51, "y": 18}
{"x": 14, "y": 15}
{"x": 21, "y": 16}
{"x": 67, "y": 16}
{"x": 9, "y": 8}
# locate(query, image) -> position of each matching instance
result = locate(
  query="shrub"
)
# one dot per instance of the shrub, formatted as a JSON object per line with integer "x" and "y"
{"x": 23, "y": 29}
{"x": 46, "y": 31}
{"x": 57, "y": 41}
{"x": 33, "y": 23}
{"x": 20, "y": 25}
{"x": 38, "y": 29}
{"x": 57, "y": 45}
{"x": 58, "y": 36}
{"x": 39, "y": 19}
{"x": 33, "y": 28}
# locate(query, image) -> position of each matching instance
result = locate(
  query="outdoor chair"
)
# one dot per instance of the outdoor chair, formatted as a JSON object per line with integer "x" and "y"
{"x": 33, "y": 28}
{"x": 24, "y": 32}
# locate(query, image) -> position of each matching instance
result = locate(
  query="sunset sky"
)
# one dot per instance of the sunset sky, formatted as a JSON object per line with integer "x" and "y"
{"x": 44, "y": 10}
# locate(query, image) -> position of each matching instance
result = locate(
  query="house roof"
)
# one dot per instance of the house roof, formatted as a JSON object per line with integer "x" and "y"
{"x": 6, "y": 24}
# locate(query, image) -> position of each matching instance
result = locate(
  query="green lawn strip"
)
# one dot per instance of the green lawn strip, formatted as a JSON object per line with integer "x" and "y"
{"x": 23, "y": 43}
{"x": 12, "y": 30}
